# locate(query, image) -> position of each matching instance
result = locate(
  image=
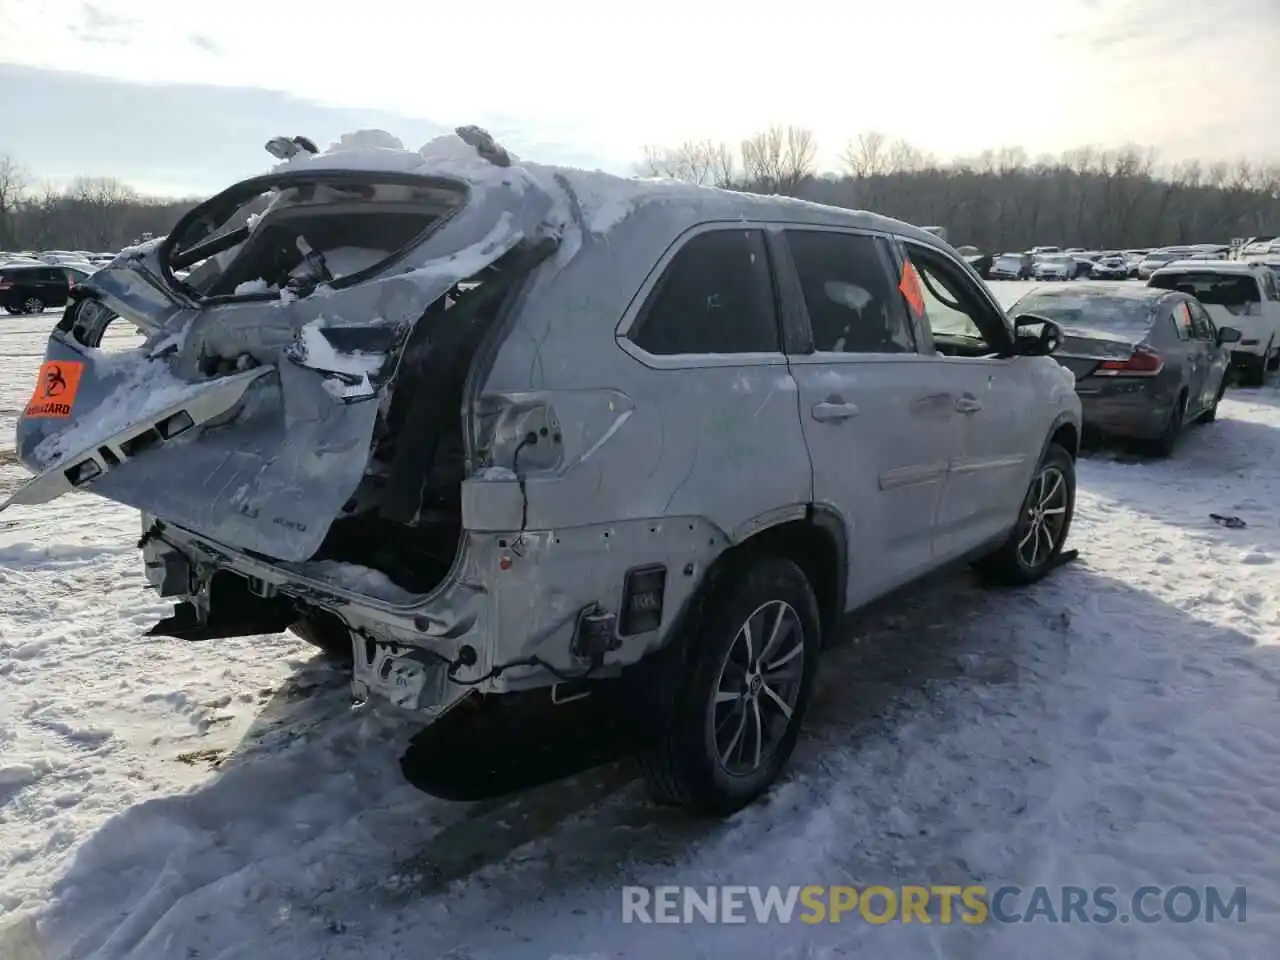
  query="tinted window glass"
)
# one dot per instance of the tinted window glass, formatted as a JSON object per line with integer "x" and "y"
{"x": 1087, "y": 311}
{"x": 852, "y": 304}
{"x": 1235, "y": 292}
{"x": 959, "y": 318}
{"x": 715, "y": 297}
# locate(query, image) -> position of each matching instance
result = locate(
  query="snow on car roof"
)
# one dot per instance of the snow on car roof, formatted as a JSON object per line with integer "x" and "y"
{"x": 604, "y": 199}
{"x": 1209, "y": 266}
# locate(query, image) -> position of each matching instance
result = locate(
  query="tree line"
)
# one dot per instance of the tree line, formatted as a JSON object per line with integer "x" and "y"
{"x": 1000, "y": 199}
{"x": 98, "y": 214}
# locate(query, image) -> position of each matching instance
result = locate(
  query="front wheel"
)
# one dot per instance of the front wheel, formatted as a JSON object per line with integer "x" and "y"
{"x": 740, "y": 694}
{"x": 1044, "y": 521}
{"x": 1211, "y": 414}
{"x": 33, "y": 305}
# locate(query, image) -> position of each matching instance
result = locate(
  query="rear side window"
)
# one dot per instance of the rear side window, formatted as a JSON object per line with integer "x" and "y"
{"x": 714, "y": 297}
{"x": 853, "y": 307}
{"x": 50, "y": 275}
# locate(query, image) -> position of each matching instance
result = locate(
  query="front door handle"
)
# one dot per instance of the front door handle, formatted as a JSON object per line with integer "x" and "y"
{"x": 834, "y": 410}
{"x": 967, "y": 404}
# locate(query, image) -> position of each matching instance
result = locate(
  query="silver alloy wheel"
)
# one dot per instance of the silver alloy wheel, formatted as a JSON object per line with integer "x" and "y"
{"x": 1044, "y": 517}
{"x": 758, "y": 687}
{"x": 32, "y": 305}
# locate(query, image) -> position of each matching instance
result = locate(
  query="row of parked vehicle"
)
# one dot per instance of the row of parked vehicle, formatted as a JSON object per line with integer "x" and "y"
{"x": 1051, "y": 263}
{"x": 526, "y": 413}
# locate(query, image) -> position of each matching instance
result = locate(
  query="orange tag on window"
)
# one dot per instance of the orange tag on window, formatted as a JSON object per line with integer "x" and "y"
{"x": 911, "y": 289}
{"x": 56, "y": 389}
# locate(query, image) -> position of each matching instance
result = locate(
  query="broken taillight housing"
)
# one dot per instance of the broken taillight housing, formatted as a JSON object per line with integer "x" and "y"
{"x": 1144, "y": 362}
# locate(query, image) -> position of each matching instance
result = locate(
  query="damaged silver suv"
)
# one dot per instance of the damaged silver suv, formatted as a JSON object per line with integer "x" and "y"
{"x": 483, "y": 426}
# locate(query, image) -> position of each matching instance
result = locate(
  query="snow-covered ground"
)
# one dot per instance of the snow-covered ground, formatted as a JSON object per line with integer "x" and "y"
{"x": 1115, "y": 725}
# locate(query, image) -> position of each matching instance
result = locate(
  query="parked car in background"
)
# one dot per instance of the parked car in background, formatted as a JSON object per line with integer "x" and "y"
{"x": 1147, "y": 361}
{"x": 474, "y": 438}
{"x": 1113, "y": 267}
{"x": 1012, "y": 266}
{"x": 981, "y": 262}
{"x": 1036, "y": 251}
{"x": 1054, "y": 266}
{"x": 36, "y": 287}
{"x": 1264, "y": 248}
{"x": 1084, "y": 260}
{"x": 1156, "y": 259}
{"x": 1239, "y": 295}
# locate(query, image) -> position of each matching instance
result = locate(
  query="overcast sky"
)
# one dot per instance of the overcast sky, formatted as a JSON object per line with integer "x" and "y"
{"x": 176, "y": 96}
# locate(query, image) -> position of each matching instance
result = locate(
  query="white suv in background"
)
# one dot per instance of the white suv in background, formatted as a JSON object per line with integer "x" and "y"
{"x": 1237, "y": 294}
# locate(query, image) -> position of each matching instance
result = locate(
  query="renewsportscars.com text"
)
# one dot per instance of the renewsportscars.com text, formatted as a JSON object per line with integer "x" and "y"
{"x": 936, "y": 904}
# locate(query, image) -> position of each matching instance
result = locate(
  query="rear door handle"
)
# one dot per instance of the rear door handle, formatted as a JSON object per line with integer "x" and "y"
{"x": 967, "y": 404}
{"x": 834, "y": 410}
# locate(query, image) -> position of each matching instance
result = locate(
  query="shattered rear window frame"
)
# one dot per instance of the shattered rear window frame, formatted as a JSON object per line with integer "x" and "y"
{"x": 256, "y": 186}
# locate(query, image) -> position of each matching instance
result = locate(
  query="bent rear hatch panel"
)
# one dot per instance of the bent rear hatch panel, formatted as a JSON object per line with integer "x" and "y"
{"x": 282, "y": 392}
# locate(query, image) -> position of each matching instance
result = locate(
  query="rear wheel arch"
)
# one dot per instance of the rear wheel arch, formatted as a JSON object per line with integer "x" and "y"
{"x": 816, "y": 544}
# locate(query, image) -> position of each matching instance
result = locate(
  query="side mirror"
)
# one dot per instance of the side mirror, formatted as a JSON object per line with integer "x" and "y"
{"x": 1035, "y": 336}
{"x": 1228, "y": 335}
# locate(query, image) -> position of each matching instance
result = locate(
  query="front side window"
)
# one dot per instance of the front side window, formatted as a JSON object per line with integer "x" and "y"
{"x": 850, "y": 298}
{"x": 1201, "y": 324}
{"x": 1182, "y": 319}
{"x": 715, "y": 296}
{"x": 962, "y": 322}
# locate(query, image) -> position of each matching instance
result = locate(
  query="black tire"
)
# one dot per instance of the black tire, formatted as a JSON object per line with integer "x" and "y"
{"x": 13, "y": 311}
{"x": 1009, "y": 565}
{"x": 329, "y": 634}
{"x": 685, "y": 764}
{"x": 32, "y": 306}
{"x": 1255, "y": 374}
{"x": 1211, "y": 414}
{"x": 1164, "y": 445}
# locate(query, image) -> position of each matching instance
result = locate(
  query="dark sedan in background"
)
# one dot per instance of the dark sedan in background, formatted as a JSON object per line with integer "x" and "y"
{"x": 1147, "y": 362}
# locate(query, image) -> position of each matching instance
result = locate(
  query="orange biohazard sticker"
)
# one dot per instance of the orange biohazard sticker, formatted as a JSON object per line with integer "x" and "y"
{"x": 911, "y": 289}
{"x": 55, "y": 389}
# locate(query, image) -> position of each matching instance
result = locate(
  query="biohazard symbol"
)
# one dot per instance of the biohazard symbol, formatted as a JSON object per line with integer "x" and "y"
{"x": 56, "y": 387}
{"x": 55, "y": 382}
{"x": 911, "y": 289}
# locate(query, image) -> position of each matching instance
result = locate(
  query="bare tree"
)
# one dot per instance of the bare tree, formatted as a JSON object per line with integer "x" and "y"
{"x": 779, "y": 159}
{"x": 865, "y": 155}
{"x": 704, "y": 162}
{"x": 1106, "y": 198}
{"x": 13, "y": 186}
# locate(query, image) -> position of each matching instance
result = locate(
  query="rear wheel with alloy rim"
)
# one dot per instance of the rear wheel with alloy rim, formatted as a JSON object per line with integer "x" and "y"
{"x": 738, "y": 692}
{"x": 33, "y": 305}
{"x": 1168, "y": 441}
